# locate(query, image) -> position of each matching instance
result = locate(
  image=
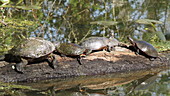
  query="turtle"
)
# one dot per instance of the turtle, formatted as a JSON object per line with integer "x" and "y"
{"x": 144, "y": 48}
{"x": 100, "y": 43}
{"x": 30, "y": 50}
{"x": 72, "y": 50}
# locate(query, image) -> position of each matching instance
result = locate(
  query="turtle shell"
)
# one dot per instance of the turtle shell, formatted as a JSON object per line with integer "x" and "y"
{"x": 147, "y": 48}
{"x": 95, "y": 43}
{"x": 33, "y": 48}
{"x": 71, "y": 49}
{"x": 144, "y": 47}
{"x": 113, "y": 42}
{"x": 98, "y": 43}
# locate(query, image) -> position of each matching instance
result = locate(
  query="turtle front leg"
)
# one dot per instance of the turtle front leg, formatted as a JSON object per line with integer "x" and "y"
{"x": 108, "y": 48}
{"x": 19, "y": 66}
{"x": 154, "y": 58}
{"x": 80, "y": 57}
{"x": 79, "y": 60}
{"x": 52, "y": 61}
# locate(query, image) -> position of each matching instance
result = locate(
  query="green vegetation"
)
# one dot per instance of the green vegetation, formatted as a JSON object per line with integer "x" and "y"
{"x": 13, "y": 32}
{"x": 16, "y": 23}
{"x": 73, "y": 21}
{"x": 162, "y": 46}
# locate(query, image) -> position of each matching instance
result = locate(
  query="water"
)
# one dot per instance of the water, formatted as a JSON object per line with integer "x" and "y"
{"x": 153, "y": 82}
{"x": 72, "y": 21}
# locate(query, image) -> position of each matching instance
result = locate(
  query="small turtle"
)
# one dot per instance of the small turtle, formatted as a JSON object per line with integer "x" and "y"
{"x": 30, "y": 50}
{"x": 144, "y": 48}
{"x": 100, "y": 43}
{"x": 72, "y": 50}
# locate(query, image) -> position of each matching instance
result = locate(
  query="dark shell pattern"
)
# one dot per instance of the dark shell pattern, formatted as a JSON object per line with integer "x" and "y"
{"x": 33, "y": 48}
{"x": 147, "y": 48}
{"x": 71, "y": 49}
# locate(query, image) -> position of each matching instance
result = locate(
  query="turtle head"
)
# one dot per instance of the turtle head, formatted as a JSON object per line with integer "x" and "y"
{"x": 87, "y": 51}
{"x": 131, "y": 40}
{"x": 56, "y": 44}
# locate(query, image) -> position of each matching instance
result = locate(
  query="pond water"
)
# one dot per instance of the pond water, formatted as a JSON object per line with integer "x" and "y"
{"x": 75, "y": 20}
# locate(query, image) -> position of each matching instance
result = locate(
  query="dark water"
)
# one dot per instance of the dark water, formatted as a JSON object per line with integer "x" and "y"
{"x": 74, "y": 20}
{"x": 152, "y": 82}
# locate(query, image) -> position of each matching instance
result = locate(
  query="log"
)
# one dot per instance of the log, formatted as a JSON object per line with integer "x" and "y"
{"x": 96, "y": 63}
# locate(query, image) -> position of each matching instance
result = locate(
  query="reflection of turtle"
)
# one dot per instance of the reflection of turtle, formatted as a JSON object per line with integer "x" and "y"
{"x": 144, "y": 48}
{"x": 72, "y": 50}
{"x": 31, "y": 50}
{"x": 100, "y": 43}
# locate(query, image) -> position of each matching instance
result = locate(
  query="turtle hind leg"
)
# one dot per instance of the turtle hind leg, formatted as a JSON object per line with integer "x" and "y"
{"x": 151, "y": 59}
{"x": 160, "y": 58}
{"x": 154, "y": 58}
{"x": 52, "y": 61}
{"x": 19, "y": 66}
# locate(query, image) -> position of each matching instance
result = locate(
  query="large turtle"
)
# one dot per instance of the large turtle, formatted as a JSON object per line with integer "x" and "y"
{"x": 72, "y": 50}
{"x": 100, "y": 43}
{"x": 31, "y": 50}
{"x": 144, "y": 48}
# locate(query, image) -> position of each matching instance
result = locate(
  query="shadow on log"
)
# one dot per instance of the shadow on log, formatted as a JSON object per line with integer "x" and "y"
{"x": 94, "y": 64}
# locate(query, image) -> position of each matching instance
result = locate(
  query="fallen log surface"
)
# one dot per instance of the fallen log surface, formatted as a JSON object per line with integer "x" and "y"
{"x": 94, "y": 64}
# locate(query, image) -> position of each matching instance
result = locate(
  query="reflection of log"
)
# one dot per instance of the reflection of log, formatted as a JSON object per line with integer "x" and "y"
{"x": 96, "y": 63}
{"x": 96, "y": 82}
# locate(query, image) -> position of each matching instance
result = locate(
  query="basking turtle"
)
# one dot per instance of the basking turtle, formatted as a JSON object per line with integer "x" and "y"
{"x": 31, "y": 50}
{"x": 144, "y": 48}
{"x": 72, "y": 50}
{"x": 100, "y": 43}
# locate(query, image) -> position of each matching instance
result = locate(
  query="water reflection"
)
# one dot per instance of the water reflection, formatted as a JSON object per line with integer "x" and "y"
{"x": 126, "y": 83}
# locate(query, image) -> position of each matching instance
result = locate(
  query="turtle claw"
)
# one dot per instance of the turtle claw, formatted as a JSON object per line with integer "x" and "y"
{"x": 79, "y": 60}
{"x": 161, "y": 59}
{"x": 156, "y": 58}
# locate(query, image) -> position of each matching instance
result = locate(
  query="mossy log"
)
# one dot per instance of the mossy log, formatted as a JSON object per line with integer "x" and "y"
{"x": 94, "y": 64}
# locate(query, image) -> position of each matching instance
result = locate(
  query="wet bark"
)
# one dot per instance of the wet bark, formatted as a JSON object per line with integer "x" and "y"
{"x": 94, "y": 64}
